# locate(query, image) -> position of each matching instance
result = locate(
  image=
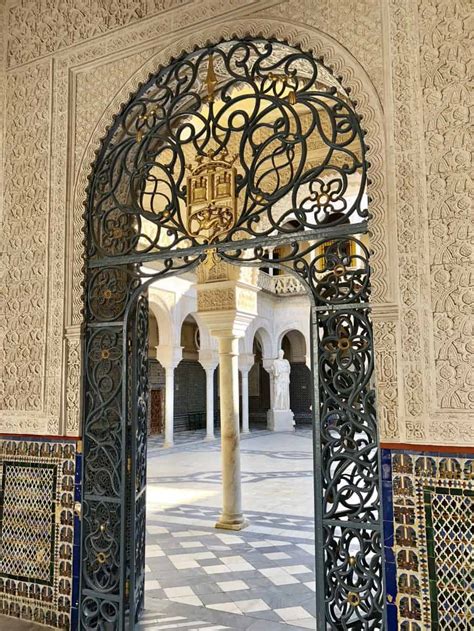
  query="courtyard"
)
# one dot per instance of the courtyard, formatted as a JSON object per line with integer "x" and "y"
{"x": 200, "y": 577}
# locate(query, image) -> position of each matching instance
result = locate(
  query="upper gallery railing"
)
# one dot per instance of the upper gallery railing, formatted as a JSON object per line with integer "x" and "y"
{"x": 283, "y": 284}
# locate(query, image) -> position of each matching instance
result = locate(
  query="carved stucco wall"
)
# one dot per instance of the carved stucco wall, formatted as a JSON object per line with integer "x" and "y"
{"x": 69, "y": 65}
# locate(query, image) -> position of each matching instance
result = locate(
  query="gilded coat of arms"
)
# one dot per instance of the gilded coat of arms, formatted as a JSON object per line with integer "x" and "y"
{"x": 211, "y": 198}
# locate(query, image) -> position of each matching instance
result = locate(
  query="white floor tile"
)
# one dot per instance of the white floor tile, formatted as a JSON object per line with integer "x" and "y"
{"x": 185, "y": 565}
{"x": 191, "y": 544}
{"x": 232, "y": 586}
{"x": 278, "y": 576}
{"x": 277, "y": 556}
{"x": 237, "y": 564}
{"x": 172, "y": 592}
{"x": 153, "y": 554}
{"x": 296, "y": 569}
{"x": 230, "y": 539}
{"x": 188, "y": 600}
{"x": 228, "y": 607}
{"x": 157, "y": 530}
{"x": 248, "y": 606}
{"x": 289, "y": 614}
{"x": 306, "y": 623}
{"x": 216, "y": 569}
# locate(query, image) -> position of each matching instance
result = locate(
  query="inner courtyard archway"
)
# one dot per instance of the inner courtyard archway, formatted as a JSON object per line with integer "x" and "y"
{"x": 167, "y": 195}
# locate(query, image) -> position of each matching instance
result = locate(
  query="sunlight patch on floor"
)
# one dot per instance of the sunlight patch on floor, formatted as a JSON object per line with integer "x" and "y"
{"x": 164, "y": 497}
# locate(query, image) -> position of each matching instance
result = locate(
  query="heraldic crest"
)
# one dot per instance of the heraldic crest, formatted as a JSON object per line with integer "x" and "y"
{"x": 211, "y": 197}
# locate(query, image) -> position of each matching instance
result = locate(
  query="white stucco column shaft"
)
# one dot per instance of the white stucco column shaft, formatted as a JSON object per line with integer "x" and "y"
{"x": 245, "y": 402}
{"x": 246, "y": 361}
{"x": 232, "y": 517}
{"x": 169, "y": 406}
{"x": 210, "y": 403}
{"x": 169, "y": 356}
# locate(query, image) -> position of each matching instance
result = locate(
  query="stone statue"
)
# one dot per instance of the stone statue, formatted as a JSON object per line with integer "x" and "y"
{"x": 281, "y": 383}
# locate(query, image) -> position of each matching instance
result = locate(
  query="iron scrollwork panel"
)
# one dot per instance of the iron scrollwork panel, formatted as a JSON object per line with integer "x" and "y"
{"x": 227, "y": 143}
{"x": 109, "y": 296}
{"x": 350, "y": 476}
{"x": 240, "y": 141}
{"x": 137, "y": 441}
{"x": 336, "y": 272}
{"x": 115, "y": 432}
{"x": 104, "y": 445}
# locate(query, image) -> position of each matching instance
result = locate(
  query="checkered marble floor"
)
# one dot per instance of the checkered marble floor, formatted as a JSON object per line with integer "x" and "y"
{"x": 261, "y": 578}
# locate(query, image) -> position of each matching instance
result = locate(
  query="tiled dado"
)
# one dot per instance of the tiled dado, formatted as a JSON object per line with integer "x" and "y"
{"x": 429, "y": 539}
{"x": 39, "y": 532}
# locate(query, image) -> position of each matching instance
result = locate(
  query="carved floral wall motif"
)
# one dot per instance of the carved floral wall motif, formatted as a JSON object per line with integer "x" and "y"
{"x": 446, "y": 61}
{"x": 79, "y": 62}
{"x": 26, "y": 219}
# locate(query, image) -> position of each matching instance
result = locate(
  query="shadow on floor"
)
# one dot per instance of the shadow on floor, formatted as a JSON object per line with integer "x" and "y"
{"x": 13, "y": 624}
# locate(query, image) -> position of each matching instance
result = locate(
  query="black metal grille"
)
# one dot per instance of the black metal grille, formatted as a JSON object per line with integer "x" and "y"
{"x": 237, "y": 148}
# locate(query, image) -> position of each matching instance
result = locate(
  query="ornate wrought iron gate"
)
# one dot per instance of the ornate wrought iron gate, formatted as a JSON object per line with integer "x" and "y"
{"x": 233, "y": 149}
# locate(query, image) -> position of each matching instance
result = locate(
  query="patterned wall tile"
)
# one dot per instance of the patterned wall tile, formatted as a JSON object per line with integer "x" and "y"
{"x": 39, "y": 548}
{"x": 429, "y": 540}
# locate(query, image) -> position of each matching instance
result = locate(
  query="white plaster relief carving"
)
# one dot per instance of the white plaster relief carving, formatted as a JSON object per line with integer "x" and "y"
{"x": 386, "y": 333}
{"x": 446, "y": 64}
{"x": 73, "y": 385}
{"x": 44, "y": 26}
{"x": 409, "y": 193}
{"x": 357, "y": 24}
{"x": 25, "y": 282}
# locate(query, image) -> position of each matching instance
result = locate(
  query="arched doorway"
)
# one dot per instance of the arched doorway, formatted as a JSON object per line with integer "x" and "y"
{"x": 295, "y": 351}
{"x": 215, "y": 158}
{"x": 259, "y": 382}
{"x": 190, "y": 381}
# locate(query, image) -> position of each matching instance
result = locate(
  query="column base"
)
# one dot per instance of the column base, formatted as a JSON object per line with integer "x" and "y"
{"x": 208, "y": 438}
{"x": 168, "y": 444}
{"x": 232, "y": 524}
{"x": 280, "y": 421}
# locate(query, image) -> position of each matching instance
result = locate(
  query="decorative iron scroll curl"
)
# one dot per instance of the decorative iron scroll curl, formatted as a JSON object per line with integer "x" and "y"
{"x": 242, "y": 139}
{"x": 239, "y": 141}
{"x": 137, "y": 443}
{"x": 115, "y": 349}
{"x": 336, "y": 273}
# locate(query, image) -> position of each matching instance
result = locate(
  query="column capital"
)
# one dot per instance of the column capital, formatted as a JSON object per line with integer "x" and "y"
{"x": 229, "y": 323}
{"x": 209, "y": 359}
{"x": 169, "y": 356}
{"x": 268, "y": 363}
{"x": 246, "y": 361}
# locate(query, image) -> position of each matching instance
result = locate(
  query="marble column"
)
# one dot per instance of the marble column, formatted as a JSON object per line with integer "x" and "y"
{"x": 227, "y": 306}
{"x": 228, "y": 327}
{"x": 245, "y": 364}
{"x": 232, "y": 517}
{"x": 169, "y": 406}
{"x": 209, "y": 360}
{"x": 169, "y": 357}
{"x": 245, "y": 402}
{"x": 210, "y": 403}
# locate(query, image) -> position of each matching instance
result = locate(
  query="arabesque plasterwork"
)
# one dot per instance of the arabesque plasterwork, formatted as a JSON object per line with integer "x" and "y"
{"x": 99, "y": 58}
{"x": 446, "y": 33}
